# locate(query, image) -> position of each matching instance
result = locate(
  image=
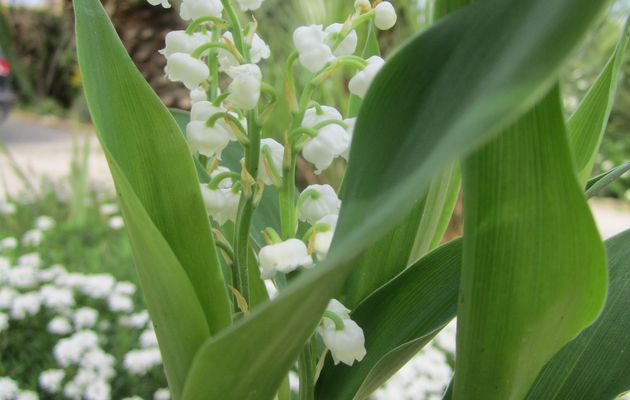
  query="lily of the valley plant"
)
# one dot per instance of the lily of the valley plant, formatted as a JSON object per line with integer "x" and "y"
{"x": 248, "y": 277}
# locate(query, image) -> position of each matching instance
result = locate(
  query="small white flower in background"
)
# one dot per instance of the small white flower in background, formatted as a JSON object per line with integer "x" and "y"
{"x": 84, "y": 317}
{"x": 33, "y": 238}
{"x": 4, "y": 322}
{"x": 346, "y": 345}
{"x": 44, "y": 223}
{"x": 163, "y": 3}
{"x": 56, "y": 298}
{"x": 59, "y": 326}
{"x": 8, "y": 243}
{"x": 385, "y": 16}
{"x": 182, "y": 42}
{"x": 193, "y": 9}
{"x": 98, "y": 390}
{"x": 221, "y": 203}
{"x": 32, "y": 259}
{"x": 7, "y": 295}
{"x": 330, "y": 141}
{"x": 119, "y": 303}
{"x": 202, "y": 138}
{"x": 139, "y": 362}
{"x": 116, "y": 223}
{"x": 182, "y": 67}
{"x": 249, "y": 4}
{"x": 347, "y": 46}
{"x": 309, "y": 42}
{"x": 8, "y": 388}
{"x": 360, "y": 83}
{"x": 22, "y": 277}
{"x": 148, "y": 339}
{"x": 277, "y": 156}
{"x": 317, "y": 202}
{"x": 245, "y": 86}
{"x": 162, "y": 394}
{"x": 97, "y": 286}
{"x": 108, "y": 209}
{"x": 52, "y": 273}
{"x": 350, "y": 122}
{"x": 198, "y": 94}
{"x": 125, "y": 287}
{"x": 138, "y": 320}
{"x": 7, "y": 208}
{"x": 69, "y": 351}
{"x": 259, "y": 50}
{"x": 100, "y": 362}
{"x": 284, "y": 257}
{"x": 322, "y": 240}
{"x": 25, "y": 305}
{"x": 27, "y": 395}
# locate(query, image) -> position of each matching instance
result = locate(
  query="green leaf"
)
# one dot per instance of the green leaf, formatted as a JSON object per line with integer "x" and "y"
{"x": 595, "y": 364}
{"x": 587, "y": 125}
{"x": 144, "y": 142}
{"x": 179, "y": 320}
{"x": 462, "y": 94}
{"x": 398, "y": 320}
{"x": 534, "y": 268}
{"x": 599, "y": 183}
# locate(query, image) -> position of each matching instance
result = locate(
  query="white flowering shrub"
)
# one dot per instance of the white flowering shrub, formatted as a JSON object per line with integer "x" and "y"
{"x": 250, "y": 279}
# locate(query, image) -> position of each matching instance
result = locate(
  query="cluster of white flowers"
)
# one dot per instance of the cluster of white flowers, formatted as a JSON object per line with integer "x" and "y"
{"x": 10, "y": 390}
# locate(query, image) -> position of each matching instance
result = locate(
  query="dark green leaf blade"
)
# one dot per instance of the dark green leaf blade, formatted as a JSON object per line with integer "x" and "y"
{"x": 144, "y": 141}
{"x": 534, "y": 268}
{"x": 587, "y": 125}
{"x": 595, "y": 364}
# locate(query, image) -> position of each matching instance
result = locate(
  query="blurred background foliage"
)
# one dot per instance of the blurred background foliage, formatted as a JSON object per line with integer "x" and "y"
{"x": 42, "y": 42}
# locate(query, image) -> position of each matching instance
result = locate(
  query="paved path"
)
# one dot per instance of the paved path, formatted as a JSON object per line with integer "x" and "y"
{"x": 43, "y": 148}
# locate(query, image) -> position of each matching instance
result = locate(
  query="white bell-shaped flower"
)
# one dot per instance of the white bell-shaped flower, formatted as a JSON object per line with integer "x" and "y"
{"x": 309, "y": 42}
{"x": 207, "y": 140}
{"x": 347, "y": 46}
{"x": 250, "y": 5}
{"x": 323, "y": 239}
{"x": 245, "y": 87}
{"x": 360, "y": 83}
{"x": 225, "y": 183}
{"x": 385, "y": 15}
{"x": 283, "y": 257}
{"x": 330, "y": 141}
{"x": 350, "y": 122}
{"x": 163, "y": 3}
{"x": 182, "y": 67}
{"x": 277, "y": 155}
{"x": 198, "y": 94}
{"x": 221, "y": 203}
{"x": 193, "y": 9}
{"x": 346, "y": 343}
{"x": 259, "y": 50}
{"x": 182, "y": 42}
{"x": 318, "y": 201}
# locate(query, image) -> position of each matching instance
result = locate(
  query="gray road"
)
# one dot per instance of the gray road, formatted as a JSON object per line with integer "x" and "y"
{"x": 19, "y": 129}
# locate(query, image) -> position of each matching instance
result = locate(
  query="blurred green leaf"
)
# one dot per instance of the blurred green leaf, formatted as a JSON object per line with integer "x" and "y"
{"x": 600, "y": 182}
{"x": 462, "y": 95}
{"x": 595, "y": 364}
{"x": 398, "y": 320}
{"x": 534, "y": 268}
{"x": 587, "y": 125}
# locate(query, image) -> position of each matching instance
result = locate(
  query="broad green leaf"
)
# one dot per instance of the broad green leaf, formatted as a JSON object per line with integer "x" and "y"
{"x": 398, "y": 320}
{"x": 600, "y": 182}
{"x": 179, "y": 321}
{"x": 462, "y": 95}
{"x": 143, "y": 140}
{"x": 587, "y": 125}
{"x": 534, "y": 267}
{"x": 437, "y": 212}
{"x": 595, "y": 365}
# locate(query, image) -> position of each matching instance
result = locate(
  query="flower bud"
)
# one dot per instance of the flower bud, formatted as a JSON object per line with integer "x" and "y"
{"x": 309, "y": 42}
{"x": 258, "y": 51}
{"x": 277, "y": 156}
{"x": 245, "y": 86}
{"x": 182, "y": 67}
{"x": 318, "y": 201}
{"x": 163, "y": 3}
{"x": 360, "y": 83}
{"x": 284, "y": 257}
{"x": 323, "y": 240}
{"x": 347, "y": 46}
{"x": 249, "y": 4}
{"x": 362, "y": 6}
{"x": 193, "y": 9}
{"x": 221, "y": 203}
{"x": 385, "y": 16}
